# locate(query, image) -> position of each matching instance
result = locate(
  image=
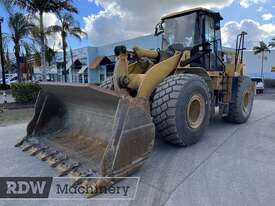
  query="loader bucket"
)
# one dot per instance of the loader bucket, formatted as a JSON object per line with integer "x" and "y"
{"x": 86, "y": 131}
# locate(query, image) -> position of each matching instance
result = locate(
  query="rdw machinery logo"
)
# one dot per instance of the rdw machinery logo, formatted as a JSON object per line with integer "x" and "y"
{"x": 25, "y": 187}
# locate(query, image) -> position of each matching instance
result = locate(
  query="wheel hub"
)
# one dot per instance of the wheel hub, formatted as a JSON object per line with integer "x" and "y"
{"x": 196, "y": 111}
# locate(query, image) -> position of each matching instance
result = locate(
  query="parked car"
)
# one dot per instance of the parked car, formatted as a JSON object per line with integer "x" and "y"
{"x": 37, "y": 78}
{"x": 8, "y": 76}
{"x": 259, "y": 84}
{"x": 12, "y": 79}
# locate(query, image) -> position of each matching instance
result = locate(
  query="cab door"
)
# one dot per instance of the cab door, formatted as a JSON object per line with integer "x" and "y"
{"x": 213, "y": 37}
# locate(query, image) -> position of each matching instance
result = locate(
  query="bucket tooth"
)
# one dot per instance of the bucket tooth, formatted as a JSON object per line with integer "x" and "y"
{"x": 91, "y": 184}
{"x": 27, "y": 146}
{"x": 79, "y": 176}
{"x": 57, "y": 159}
{"x": 44, "y": 155}
{"x": 20, "y": 142}
{"x": 37, "y": 149}
{"x": 65, "y": 168}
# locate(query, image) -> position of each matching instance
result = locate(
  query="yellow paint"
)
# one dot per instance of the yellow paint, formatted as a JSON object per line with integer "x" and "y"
{"x": 157, "y": 74}
{"x": 140, "y": 52}
{"x": 135, "y": 80}
{"x": 121, "y": 70}
{"x": 230, "y": 70}
{"x": 186, "y": 55}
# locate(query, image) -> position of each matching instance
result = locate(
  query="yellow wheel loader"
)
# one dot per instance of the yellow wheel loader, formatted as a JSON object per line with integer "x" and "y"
{"x": 170, "y": 93}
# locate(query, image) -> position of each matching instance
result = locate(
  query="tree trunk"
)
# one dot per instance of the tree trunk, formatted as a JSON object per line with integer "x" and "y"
{"x": 2, "y": 58}
{"x": 17, "y": 57}
{"x": 43, "y": 46}
{"x": 262, "y": 69}
{"x": 64, "y": 45}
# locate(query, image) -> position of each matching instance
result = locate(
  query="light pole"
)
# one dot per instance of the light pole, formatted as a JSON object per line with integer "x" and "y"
{"x": 2, "y": 54}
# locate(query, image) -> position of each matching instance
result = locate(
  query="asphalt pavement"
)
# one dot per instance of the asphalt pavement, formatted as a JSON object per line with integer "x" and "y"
{"x": 231, "y": 165}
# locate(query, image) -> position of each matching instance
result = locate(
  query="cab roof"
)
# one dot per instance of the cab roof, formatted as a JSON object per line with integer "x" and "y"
{"x": 189, "y": 11}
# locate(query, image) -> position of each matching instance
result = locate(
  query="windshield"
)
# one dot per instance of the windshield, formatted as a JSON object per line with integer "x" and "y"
{"x": 258, "y": 80}
{"x": 180, "y": 30}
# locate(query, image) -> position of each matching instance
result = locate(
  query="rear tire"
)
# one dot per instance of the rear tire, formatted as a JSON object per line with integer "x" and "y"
{"x": 242, "y": 101}
{"x": 181, "y": 109}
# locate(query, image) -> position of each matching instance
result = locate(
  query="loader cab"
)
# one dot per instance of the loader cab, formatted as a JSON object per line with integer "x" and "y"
{"x": 197, "y": 30}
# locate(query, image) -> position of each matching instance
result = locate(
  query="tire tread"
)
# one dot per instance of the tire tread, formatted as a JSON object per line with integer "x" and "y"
{"x": 163, "y": 108}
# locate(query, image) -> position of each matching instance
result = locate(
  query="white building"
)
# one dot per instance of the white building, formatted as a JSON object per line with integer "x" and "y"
{"x": 95, "y": 64}
{"x": 253, "y": 64}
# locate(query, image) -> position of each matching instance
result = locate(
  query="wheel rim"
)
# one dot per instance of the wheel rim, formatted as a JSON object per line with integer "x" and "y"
{"x": 246, "y": 100}
{"x": 196, "y": 111}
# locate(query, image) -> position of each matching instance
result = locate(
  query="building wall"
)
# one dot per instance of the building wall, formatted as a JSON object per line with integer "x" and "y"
{"x": 148, "y": 42}
{"x": 92, "y": 73}
{"x": 88, "y": 54}
{"x": 253, "y": 64}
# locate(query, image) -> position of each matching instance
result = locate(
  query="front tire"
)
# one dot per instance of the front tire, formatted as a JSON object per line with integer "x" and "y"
{"x": 181, "y": 109}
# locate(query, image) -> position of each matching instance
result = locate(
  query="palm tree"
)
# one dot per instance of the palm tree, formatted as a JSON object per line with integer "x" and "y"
{"x": 67, "y": 27}
{"x": 5, "y": 42}
{"x": 20, "y": 29}
{"x": 40, "y": 7}
{"x": 7, "y": 60}
{"x": 8, "y": 5}
{"x": 272, "y": 43}
{"x": 261, "y": 49}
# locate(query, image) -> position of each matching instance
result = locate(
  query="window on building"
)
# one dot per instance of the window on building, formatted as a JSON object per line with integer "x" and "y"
{"x": 110, "y": 70}
{"x": 102, "y": 77}
{"x": 85, "y": 78}
{"x": 83, "y": 60}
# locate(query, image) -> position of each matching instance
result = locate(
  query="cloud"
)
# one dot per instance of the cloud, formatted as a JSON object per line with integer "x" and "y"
{"x": 123, "y": 19}
{"x": 248, "y": 3}
{"x": 260, "y": 9}
{"x": 256, "y": 32}
{"x": 120, "y": 20}
{"x": 267, "y": 17}
{"x": 53, "y": 41}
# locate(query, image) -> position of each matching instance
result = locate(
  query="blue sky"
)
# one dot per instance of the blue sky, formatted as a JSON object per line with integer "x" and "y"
{"x": 236, "y": 12}
{"x": 85, "y": 8}
{"x": 109, "y": 21}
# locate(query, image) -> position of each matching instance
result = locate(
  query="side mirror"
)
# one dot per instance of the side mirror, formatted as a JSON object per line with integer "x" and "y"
{"x": 217, "y": 26}
{"x": 159, "y": 29}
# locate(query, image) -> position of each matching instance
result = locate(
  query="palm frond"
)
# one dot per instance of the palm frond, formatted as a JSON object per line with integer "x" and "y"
{"x": 8, "y": 5}
{"x": 54, "y": 6}
{"x": 272, "y": 43}
{"x": 68, "y": 27}
{"x": 53, "y": 29}
{"x": 78, "y": 32}
{"x": 263, "y": 47}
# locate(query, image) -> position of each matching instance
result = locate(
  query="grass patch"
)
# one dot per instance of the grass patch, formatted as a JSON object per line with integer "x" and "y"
{"x": 8, "y": 117}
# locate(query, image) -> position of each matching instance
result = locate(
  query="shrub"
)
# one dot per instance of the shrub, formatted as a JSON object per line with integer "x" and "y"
{"x": 25, "y": 92}
{"x": 2, "y": 87}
